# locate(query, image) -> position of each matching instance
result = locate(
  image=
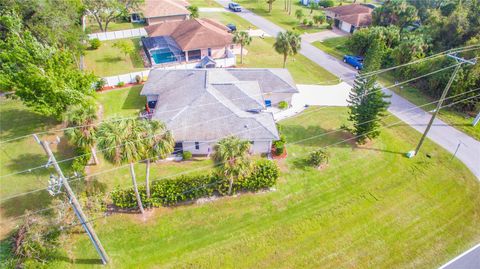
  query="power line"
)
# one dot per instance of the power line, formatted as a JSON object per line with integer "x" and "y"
{"x": 461, "y": 49}
{"x": 120, "y": 167}
{"x": 88, "y": 154}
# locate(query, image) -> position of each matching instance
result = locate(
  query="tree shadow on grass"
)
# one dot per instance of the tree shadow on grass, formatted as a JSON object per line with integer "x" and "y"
{"x": 79, "y": 261}
{"x": 17, "y": 122}
{"x": 28, "y": 160}
{"x": 134, "y": 100}
{"x": 384, "y": 150}
{"x": 16, "y": 206}
{"x": 110, "y": 59}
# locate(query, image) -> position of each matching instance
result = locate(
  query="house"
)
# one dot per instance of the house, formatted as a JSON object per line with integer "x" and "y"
{"x": 202, "y": 106}
{"x": 160, "y": 11}
{"x": 348, "y": 18}
{"x": 186, "y": 41}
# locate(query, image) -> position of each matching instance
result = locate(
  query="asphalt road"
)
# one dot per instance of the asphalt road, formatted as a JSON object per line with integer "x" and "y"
{"x": 470, "y": 259}
{"x": 441, "y": 133}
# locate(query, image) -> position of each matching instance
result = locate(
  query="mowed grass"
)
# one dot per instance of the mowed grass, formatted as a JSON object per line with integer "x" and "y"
{"x": 262, "y": 54}
{"x": 281, "y": 18}
{"x": 371, "y": 207}
{"x": 108, "y": 60}
{"x": 124, "y": 102}
{"x": 22, "y": 154}
{"x": 204, "y": 3}
{"x": 227, "y": 17}
{"x": 461, "y": 121}
{"x": 334, "y": 46}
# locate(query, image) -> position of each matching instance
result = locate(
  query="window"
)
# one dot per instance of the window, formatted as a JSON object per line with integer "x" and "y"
{"x": 209, "y": 52}
{"x": 197, "y": 145}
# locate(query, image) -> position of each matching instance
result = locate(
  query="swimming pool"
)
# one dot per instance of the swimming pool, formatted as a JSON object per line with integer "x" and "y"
{"x": 161, "y": 56}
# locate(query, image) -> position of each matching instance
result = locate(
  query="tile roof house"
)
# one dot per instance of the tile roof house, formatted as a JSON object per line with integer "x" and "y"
{"x": 186, "y": 41}
{"x": 159, "y": 11}
{"x": 348, "y": 18}
{"x": 201, "y": 106}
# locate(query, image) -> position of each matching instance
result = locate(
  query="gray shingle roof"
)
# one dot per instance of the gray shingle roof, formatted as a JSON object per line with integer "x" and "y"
{"x": 208, "y": 104}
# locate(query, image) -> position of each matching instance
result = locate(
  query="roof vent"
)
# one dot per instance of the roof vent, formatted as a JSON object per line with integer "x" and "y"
{"x": 246, "y": 126}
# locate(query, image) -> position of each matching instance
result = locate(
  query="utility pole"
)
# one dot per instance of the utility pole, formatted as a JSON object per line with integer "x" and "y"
{"x": 74, "y": 202}
{"x": 442, "y": 98}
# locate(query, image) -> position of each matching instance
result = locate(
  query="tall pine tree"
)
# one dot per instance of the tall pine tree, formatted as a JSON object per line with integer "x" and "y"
{"x": 366, "y": 101}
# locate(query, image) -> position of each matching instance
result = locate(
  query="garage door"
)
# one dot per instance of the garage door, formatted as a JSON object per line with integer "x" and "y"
{"x": 345, "y": 26}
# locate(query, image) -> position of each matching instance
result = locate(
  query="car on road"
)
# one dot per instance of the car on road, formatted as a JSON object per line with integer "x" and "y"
{"x": 355, "y": 61}
{"x": 232, "y": 27}
{"x": 234, "y": 7}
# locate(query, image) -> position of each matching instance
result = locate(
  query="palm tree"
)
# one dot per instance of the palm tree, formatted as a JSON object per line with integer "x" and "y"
{"x": 242, "y": 38}
{"x": 270, "y": 5}
{"x": 83, "y": 116}
{"x": 231, "y": 159}
{"x": 122, "y": 141}
{"x": 159, "y": 143}
{"x": 287, "y": 43}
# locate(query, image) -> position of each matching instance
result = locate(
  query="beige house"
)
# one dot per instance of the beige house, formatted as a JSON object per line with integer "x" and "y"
{"x": 202, "y": 106}
{"x": 159, "y": 11}
{"x": 349, "y": 18}
{"x": 186, "y": 41}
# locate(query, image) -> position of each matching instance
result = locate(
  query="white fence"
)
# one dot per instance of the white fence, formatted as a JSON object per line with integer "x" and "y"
{"x": 130, "y": 78}
{"x": 119, "y": 34}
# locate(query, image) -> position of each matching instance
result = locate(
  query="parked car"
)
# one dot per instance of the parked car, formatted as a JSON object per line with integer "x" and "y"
{"x": 232, "y": 27}
{"x": 234, "y": 7}
{"x": 355, "y": 61}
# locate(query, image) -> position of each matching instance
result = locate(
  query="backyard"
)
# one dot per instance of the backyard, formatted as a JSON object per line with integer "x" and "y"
{"x": 262, "y": 54}
{"x": 337, "y": 48}
{"x": 108, "y": 60}
{"x": 92, "y": 26}
{"x": 396, "y": 212}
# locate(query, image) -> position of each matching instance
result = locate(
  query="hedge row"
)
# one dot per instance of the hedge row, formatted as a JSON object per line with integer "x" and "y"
{"x": 185, "y": 188}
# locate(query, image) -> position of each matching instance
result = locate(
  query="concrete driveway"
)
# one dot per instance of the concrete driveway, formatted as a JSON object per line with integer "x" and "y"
{"x": 314, "y": 95}
{"x": 320, "y": 36}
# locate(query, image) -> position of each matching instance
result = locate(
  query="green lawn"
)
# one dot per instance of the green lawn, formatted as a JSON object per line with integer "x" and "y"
{"x": 463, "y": 122}
{"x": 123, "y": 102}
{"x": 22, "y": 154}
{"x": 227, "y": 17}
{"x": 387, "y": 212}
{"x": 92, "y": 26}
{"x": 108, "y": 60}
{"x": 303, "y": 70}
{"x": 204, "y": 3}
{"x": 280, "y": 17}
{"x": 334, "y": 46}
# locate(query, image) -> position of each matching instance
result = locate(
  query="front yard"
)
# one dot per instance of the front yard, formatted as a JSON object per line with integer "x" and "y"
{"x": 108, "y": 60}
{"x": 387, "y": 212}
{"x": 227, "y": 17}
{"x": 337, "y": 48}
{"x": 262, "y": 54}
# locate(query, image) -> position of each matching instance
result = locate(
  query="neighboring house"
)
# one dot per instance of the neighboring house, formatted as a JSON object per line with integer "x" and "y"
{"x": 202, "y": 106}
{"x": 349, "y": 18}
{"x": 159, "y": 11}
{"x": 187, "y": 41}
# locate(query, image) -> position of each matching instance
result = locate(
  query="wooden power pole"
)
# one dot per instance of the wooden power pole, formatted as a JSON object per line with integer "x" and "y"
{"x": 442, "y": 98}
{"x": 74, "y": 202}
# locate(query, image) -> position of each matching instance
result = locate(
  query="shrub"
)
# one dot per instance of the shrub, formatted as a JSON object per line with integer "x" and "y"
{"x": 283, "y": 105}
{"x": 100, "y": 84}
{"x": 79, "y": 163}
{"x": 138, "y": 79}
{"x": 305, "y": 21}
{"x": 318, "y": 157}
{"x": 264, "y": 175}
{"x": 330, "y": 24}
{"x": 185, "y": 188}
{"x": 95, "y": 43}
{"x": 280, "y": 145}
{"x": 120, "y": 84}
{"x": 186, "y": 155}
{"x": 326, "y": 3}
{"x": 310, "y": 23}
